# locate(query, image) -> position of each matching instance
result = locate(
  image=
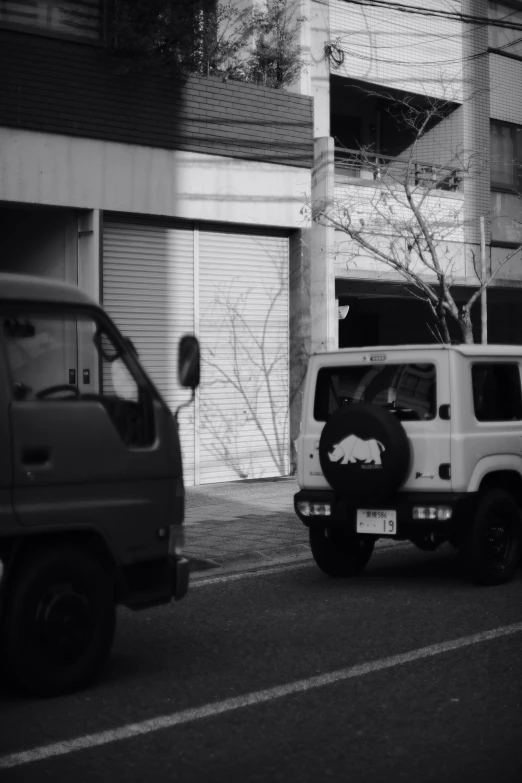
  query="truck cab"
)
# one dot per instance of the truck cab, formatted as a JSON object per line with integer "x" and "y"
{"x": 91, "y": 484}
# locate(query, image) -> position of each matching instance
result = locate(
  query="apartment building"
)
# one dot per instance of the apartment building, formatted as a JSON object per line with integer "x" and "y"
{"x": 368, "y": 59}
{"x": 181, "y": 203}
{"x": 177, "y": 203}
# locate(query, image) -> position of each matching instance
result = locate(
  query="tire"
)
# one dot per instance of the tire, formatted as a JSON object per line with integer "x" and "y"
{"x": 492, "y": 547}
{"x": 340, "y": 554}
{"x": 59, "y": 622}
{"x": 364, "y": 452}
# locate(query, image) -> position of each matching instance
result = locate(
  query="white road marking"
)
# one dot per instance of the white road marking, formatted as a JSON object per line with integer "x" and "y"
{"x": 248, "y": 700}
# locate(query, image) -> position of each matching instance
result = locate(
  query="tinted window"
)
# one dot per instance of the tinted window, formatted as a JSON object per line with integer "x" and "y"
{"x": 496, "y": 392}
{"x": 407, "y": 390}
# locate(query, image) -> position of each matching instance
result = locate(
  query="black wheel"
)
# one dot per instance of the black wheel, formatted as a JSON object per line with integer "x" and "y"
{"x": 59, "y": 622}
{"x": 492, "y": 547}
{"x": 338, "y": 553}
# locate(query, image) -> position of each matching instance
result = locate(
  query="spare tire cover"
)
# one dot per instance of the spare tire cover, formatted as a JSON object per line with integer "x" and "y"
{"x": 364, "y": 451}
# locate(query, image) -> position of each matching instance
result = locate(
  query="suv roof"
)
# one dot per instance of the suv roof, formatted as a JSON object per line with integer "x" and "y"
{"x": 466, "y": 350}
{"x": 15, "y": 287}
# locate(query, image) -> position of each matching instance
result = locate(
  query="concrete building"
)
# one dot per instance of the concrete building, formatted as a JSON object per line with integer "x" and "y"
{"x": 181, "y": 203}
{"x": 177, "y": 203}
{"x": 365, "y": 56}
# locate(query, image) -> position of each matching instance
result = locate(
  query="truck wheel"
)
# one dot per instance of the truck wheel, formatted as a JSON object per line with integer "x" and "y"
{"x": 59, "y": 622}
{"x": 492, "y": 547}
{"x": 338, "y": 553}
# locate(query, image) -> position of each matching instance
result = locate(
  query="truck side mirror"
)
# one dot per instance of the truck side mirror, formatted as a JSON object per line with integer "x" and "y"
{"x": 188, "y": 361}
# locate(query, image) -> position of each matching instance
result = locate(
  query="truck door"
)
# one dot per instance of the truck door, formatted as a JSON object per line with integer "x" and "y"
{"x": 89, "y": 450}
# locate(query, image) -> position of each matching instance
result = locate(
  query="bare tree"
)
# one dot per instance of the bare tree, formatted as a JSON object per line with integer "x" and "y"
{"x": 254, "y": 370}
{"x": 405, "y": 223}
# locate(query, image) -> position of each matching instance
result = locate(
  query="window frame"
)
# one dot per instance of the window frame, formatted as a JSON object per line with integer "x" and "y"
{"x": 49, "y": 32}
{"x": 513, "y": 189}
{"x": 516, "y": 182}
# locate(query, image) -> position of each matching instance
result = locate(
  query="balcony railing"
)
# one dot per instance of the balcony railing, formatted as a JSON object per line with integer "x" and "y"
{"x": 372, "y": 166}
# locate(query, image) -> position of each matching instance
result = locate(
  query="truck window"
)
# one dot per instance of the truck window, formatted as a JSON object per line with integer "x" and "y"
{"x": 73, "y": 358}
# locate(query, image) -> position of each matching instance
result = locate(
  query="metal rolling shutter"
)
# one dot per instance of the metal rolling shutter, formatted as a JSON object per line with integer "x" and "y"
{"x": 148, "y": 289}
{"x": 243, "y": 328}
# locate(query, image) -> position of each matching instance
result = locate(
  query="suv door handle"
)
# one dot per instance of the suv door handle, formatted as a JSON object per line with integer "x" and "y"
{"x": 35, "y": 456}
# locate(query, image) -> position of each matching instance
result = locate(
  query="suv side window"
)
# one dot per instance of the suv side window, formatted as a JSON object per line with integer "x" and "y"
{"x": 48, "y": 355}
{"x": 496, "y": 391}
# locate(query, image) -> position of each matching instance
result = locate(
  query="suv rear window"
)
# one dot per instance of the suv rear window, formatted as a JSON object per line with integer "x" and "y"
{"x": 408, "y": 390}
{"x": 496, "y": 392}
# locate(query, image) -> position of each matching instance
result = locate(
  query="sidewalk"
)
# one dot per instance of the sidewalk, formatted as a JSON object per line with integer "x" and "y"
{"x": 243, "y": 522}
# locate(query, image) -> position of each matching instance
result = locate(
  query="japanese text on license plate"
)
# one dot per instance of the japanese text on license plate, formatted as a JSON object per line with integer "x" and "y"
{"x": 378, "y": 521}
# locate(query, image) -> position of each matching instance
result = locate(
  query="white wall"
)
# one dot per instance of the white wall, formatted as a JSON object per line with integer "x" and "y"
{"x": 414, "y": 52}
{"x": 44, "y": 168}
{"x": 506, "y": 89}
{"x": 319, "y": 66}
{"x": 444, "y": 213}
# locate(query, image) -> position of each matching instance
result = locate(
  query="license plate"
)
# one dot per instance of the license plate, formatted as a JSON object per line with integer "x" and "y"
{"x": 377, "y": 521}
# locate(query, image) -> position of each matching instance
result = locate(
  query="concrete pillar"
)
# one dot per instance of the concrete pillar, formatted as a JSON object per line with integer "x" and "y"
{"x": 300, "y": 343}
{"x": 320, "y": 65}
{"x": 89, "y": 252}
{"x": 476, "y": 127}
{"x": 324, "y": 322}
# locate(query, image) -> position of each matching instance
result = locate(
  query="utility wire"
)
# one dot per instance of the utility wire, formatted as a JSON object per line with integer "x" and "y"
{"x": 436, "y": 14}
{"x": 427, "y": 38}
{"x": 358, "y": 54}
{"x": 382, "y": 4}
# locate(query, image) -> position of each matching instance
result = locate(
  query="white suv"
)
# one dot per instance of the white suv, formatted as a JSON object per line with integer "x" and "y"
{"x": 420, "y": 443}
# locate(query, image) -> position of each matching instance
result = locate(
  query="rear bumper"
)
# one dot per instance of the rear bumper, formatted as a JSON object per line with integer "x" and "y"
{"x": 343, "y": 512}
{"x": 163, "y": 580}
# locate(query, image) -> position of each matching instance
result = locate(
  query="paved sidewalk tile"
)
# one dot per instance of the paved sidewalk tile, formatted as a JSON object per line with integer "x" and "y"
{"x": 245, "y": 522}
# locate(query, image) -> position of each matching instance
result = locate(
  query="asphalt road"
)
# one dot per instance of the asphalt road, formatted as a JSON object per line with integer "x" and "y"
{"x": 287, "y": 675}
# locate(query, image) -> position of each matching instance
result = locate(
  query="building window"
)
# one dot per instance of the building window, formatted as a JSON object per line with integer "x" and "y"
{"x": 506, "y": 156}
{"x": 506, "y": 183}
{"x": 79, "y": 18}
{"x": 502, "y": 37}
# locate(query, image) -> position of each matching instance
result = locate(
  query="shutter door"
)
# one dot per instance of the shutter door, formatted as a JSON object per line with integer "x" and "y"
{"x": 243, "y": 317}
{"x": 148, "y": 289}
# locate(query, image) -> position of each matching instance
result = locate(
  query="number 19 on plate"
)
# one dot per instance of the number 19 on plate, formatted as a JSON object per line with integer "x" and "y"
{"x": 380, "y": 522}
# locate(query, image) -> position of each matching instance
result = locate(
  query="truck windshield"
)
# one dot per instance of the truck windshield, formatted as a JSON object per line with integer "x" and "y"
{"x": 407, "y": 390}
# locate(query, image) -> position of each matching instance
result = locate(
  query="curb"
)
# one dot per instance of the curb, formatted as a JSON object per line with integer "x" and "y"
{"x": 250, "y": 565}
{"x": 253, "y": 558}
{"x": 257, "y": 561}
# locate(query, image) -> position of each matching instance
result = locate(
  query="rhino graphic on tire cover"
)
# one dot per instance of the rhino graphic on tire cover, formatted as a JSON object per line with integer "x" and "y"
{"x": 352, "y": 449}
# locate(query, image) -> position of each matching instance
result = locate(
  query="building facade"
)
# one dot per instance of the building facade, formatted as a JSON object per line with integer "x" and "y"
{"x": 176, "y": 202}
{"x": 370, "y": 59}
{"x": 181, "y": 203}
